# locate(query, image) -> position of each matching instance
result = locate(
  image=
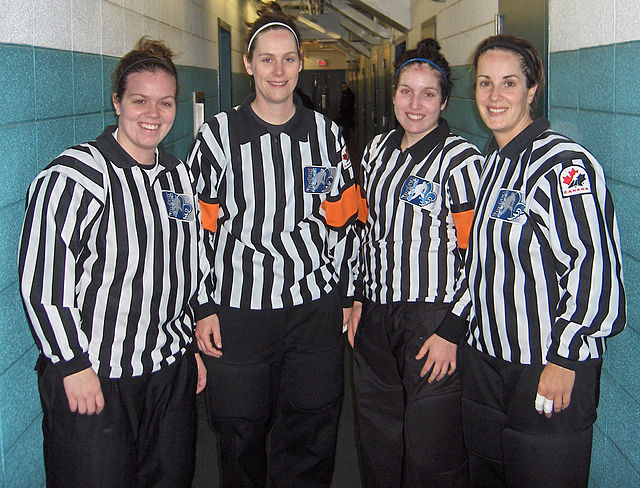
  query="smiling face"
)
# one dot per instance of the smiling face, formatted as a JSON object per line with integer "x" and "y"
{"x": 275, "y": 64}
{"x": 418, "y": 102}
{"x": 502, "y": 95}
{"x": 146, "y": 112}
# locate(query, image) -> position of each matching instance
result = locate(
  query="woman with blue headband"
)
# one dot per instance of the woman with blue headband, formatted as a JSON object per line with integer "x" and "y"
{"x": 544, "y": 287}
{"x": 419, "y": 186}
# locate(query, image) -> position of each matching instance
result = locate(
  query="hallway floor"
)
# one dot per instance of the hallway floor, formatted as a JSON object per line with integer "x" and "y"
{"x": 346, "y": 473}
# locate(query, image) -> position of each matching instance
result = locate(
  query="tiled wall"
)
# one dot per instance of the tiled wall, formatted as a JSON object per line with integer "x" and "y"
{"x": 595, "y": 100}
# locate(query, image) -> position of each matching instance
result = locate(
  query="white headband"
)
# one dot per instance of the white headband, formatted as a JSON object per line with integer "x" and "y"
{"x": 271, "y": 24}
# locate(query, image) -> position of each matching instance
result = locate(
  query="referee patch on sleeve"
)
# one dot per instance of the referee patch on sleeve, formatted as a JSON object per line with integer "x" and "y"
{"x": 574, "y": 181}
{"x": 179, "y": 206}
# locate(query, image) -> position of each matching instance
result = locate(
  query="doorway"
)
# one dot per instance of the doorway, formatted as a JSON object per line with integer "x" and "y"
{"x": 224, "y": 70}
{"x": 529, "y": 20}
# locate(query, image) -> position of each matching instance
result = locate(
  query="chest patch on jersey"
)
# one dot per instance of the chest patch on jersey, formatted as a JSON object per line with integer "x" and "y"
{"x": 419, "y": 192}
{"x": 179, "y": 206}
{"x": 509, "y": 206}
{"x": 318, "y": 179}
{"x": 574, "y": 181}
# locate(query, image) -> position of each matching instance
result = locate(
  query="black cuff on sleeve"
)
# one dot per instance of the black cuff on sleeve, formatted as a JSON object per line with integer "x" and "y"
{"x": 75, "y": 365}
{"x": 359, "y": 292}
{"x": 203, "y": 311}
{"x": 452, "y": 328}
{"x": 568, "y": 363}
{"x": 347, "y": 302}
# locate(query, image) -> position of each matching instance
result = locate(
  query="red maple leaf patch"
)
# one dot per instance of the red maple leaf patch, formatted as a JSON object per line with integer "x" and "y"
{"x": 567, "y": 179}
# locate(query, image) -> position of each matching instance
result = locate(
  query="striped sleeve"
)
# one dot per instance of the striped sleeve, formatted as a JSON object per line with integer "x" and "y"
{"x": 206, "y": 162}
{"x": 583, "y": 236}
{"x": 342, "y": 207}
{"x": 59, "y": 217}
{"x": 461, "y": 188}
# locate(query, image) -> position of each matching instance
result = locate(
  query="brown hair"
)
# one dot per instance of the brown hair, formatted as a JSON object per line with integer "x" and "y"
{"x": 530, "y": 59}
{"x": 272, "y": 12}
{"x": 427, "y": 52}
{"x": 147, "y": 55}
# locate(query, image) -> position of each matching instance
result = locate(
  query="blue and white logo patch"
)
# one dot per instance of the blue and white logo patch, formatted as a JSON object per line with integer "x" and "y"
{"x": 574, "y": 181}
{"x": 179, "y": 206}
{"x": 509, "y": 207}
{"x": 419, "y": 192}
{"x": 318, "y": 179}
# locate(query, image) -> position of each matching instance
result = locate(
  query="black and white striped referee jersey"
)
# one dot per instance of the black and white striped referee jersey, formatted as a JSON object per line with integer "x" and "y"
{"x": 420, "y": 206}
{"x": 278, "y": 204}
{"x": 544, "y": 265}
{"x": 112, "y": 268}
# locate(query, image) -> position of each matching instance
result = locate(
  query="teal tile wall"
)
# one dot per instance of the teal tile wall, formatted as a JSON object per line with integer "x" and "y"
{"x": 18, "y": 102}
{"x": 626, "y": 73}
{"x": 241, "y": 83}
{"x": 50, "y": 100}
{"x": 594, "y": 99}
{"x": 596, "y": 84}
{"x": 54, "y": 83}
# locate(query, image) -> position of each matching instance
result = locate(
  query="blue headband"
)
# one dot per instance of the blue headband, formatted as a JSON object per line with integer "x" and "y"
{"x": 424, "y": 60}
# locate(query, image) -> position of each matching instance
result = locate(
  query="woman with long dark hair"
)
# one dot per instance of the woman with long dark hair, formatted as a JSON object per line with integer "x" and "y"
{"x": 545, "y": 286}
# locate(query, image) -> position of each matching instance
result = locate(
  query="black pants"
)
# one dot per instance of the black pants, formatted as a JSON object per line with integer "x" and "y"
{"x": 279, "y": 381}
{"x": 509, "y": 443}
{"x": 409, "y": 431}
{"x": 144, "y": 437}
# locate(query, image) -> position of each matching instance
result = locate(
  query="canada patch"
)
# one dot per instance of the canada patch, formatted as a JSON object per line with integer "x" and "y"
{"x": 574, "y": 181}
{"x": 419, "y": 192}
{"x": 509, "y": 206}
{"x": 179, "y": 206}
{"x": 318, "y": 179}
{"x": 346, "y": 161}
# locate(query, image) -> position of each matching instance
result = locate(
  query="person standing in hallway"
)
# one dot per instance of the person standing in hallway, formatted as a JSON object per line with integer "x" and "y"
{"x": 544, "y": 291}
{"x": 279, "y": 201}
{"x": 347, "y": 111}
{"x": 419, "y": 186}
{"x": 113, "y": 279}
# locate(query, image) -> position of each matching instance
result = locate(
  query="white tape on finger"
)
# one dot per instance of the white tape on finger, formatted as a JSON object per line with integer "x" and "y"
{"x": 539, "y": 403}
{"x": 548, "y": 405}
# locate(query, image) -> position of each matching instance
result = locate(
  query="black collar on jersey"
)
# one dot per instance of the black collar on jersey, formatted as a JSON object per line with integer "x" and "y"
{"x": 522, "y": 140}
{"x": 249, "y": 129}
{"x": 424, "y": 146}
{"x": 115, "y": 153}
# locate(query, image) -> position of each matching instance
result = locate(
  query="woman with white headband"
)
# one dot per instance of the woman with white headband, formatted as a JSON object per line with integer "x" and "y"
{"x": 279, "y": 203}
{"x": 419, "y": 183}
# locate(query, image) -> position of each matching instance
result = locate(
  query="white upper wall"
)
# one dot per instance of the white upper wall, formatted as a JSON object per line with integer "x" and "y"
{"x": 189, "y": 27}
{"x": 460, "y": 25}
{"x": 592, "y": 23}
